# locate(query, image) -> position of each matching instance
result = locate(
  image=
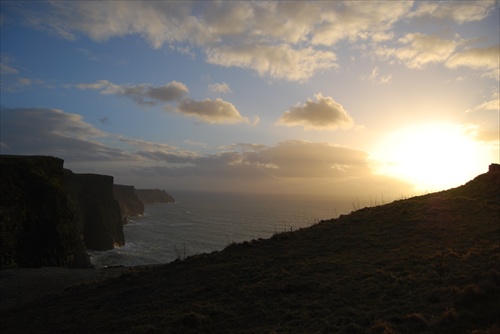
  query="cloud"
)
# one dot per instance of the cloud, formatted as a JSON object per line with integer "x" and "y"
{"x": 89, "y": 54}
{"x": 104, "y": 120}
{"x": 12, "y": 79}
{"x": 25, "y": 82}
{"x": 418, "y": 50}
{"x": 458, "y": 11}
{"x": 486, "y": 59}
{"x": 160, "y": 152}
{"x": 488, "y": 135}
{"x": 282, "y": 40}
{"x": 324, "y": 114}
{"x": 157, "y": 22}
{"x": 493, "y": 104}
{"x": 293, "y": 159}
{"x": 4, "y": 70}
{"x": 210, "y": 111}
{"x": 275, "y": 61}
{"x": 356, "y": 20}
{"x": 219, "y": 88}
{"x": 243, "y": 147}
{"x": 302, "y": 159}
{"x": 215, "y": 111}
{"x": 195, "y": 143}
{"x": 143, "y": 94}
{"x": 290, "y": 166}
{"x": 54, "y": 132}
{"x": 375, "y": 77}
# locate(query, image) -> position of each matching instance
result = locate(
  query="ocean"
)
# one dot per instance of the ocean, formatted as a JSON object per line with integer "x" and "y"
{"x": 203, "y": 222}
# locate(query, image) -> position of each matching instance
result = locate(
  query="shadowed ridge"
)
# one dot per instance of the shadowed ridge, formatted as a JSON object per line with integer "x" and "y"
{"x": 485, "y": 186}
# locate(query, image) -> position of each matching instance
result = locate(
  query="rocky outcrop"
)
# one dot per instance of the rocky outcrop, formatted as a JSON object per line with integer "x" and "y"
{"x": 103, "y": 228}
{"x": 149, "y": 196}
{"x": 130, "y": 204}
{"x": 50, "y": 216}
{"x": 494, "y": 168}
{"x": 40, "y": 224}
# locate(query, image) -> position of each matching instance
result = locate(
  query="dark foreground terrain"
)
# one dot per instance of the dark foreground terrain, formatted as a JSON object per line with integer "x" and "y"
{"x": 428, "y": 264}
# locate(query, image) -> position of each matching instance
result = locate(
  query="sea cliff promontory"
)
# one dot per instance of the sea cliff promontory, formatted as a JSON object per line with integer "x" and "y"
{"x": 130, "y": 204}
{"x": 149, "y": 196}
{"x": 50, "y": 216}
{"x": 103, "y": 229}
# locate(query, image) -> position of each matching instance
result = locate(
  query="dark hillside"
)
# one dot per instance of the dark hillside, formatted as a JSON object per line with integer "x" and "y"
{"x": 428, "y": 264}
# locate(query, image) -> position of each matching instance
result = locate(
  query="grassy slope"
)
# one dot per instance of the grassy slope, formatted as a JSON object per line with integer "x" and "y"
{"x": 425, "y": 264}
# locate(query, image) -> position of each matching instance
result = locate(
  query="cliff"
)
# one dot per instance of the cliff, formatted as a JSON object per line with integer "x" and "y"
{"x": 148, "y": 196}
{"x": 50, "y": 216}
{"x": 103, "y": 228}
{"x": 39, "y": 222}
{"x": 130, "y": 204}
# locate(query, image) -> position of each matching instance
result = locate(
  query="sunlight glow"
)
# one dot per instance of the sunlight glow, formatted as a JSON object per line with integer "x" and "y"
{"x": 431, "y": 156}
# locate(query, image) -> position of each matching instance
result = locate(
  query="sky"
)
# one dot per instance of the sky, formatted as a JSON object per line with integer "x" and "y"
{"x": 382, "y": 98}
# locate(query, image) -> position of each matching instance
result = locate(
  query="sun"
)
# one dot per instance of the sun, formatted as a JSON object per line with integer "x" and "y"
{"x": 433, "y": 156}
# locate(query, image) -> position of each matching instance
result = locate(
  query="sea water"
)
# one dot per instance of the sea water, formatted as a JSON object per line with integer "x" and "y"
{"x": 203, "y": 222}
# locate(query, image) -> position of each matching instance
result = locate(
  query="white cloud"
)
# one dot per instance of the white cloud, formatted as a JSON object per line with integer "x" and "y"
{"x": 491, "y": 105}
{"x": 418, "y": 50}
{"x": 375, "y": 77}
{"x": 276, "y": 39}
{"x": 486, "y": 59}
{"x": 324, "y": 114}
{"x": 215, "y": 111}
{"x": 143, "y": 94}
{"x": 459, "y": 11}
{"x": 488, "y": 105}
{"x": 280, "y": 40}
{"x": 158, "y": 22}
{"x": 210, "y": 111}
{"x": 275, "y": 61}
{"x": 355, "y": 20}
{"x": 219, "y": 88}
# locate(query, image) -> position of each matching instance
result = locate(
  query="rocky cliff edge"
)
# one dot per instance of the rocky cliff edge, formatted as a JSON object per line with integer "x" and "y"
{"x": 50, "y": 216}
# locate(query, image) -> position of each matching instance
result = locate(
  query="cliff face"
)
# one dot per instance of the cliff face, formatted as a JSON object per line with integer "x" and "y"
{"x": 130, "y": 204}
{"x": 50, "y": 216}
{"x": 148, "y": 196}
{"x": 40, "y": 224}
{"x": 101, "y": 212}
